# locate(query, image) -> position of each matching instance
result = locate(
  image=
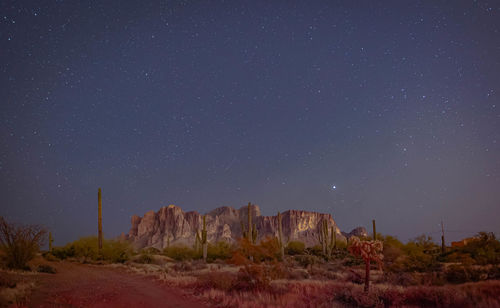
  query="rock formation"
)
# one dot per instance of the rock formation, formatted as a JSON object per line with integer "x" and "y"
{"x": 359, "y": 232}
{"x": 172, "y": 226}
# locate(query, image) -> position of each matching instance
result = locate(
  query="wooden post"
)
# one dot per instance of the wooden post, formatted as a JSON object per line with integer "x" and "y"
{"x": 374, "y": 230}
{"x": 99, "y": 219}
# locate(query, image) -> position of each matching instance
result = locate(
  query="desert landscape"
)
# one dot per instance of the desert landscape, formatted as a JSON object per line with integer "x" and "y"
{"x": 264, "y": 154}
{"x": 296, "y": 259}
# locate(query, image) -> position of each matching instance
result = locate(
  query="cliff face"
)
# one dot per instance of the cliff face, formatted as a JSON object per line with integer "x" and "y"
{"x": 171, "y": 225}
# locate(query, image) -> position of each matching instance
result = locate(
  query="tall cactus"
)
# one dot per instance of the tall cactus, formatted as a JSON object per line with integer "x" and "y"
{"x": 250, "y": 232}
{"x": 334, "y": 237}
{"x": 280, "y": 237}
{"x": 99, "y": 220}
{"x": 204, "y": 239}
{"x": 197, "y": 241}
{"x": 327, "y": 241}
{"x": 51, "y": 240}
{"x": 255, "y": 234}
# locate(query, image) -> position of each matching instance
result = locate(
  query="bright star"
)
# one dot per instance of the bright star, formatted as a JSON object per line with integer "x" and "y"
{"x": 334, "y": 187}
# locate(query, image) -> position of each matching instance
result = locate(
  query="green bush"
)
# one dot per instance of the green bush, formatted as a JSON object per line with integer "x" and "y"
{"x": 484, "y": 250}
{"x": 306, "y": 260}
{"x": 145, "y": 258}
{"x": 221, "y": 250}
{"x": 86, "y": 248}
{"x": 316, "y": 250}
{"x": 116, "y": 251}
{"x": 295, "y": 248}
{"x": 420, "y": 255}
{"x": 181, "y": 253}
{"x": 151, "y": 251}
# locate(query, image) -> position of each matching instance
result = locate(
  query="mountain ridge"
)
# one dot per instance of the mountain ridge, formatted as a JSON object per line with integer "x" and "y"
{"x": 170, "y": 225}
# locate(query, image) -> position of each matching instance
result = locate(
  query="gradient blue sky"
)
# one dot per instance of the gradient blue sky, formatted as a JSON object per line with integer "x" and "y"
{"x": 203, "y": 104}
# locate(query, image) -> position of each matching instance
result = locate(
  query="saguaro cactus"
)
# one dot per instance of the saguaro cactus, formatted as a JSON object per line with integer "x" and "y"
{"x": 280, "y": 237}
{"x": 204, "y": 243}
{"x": 51, "y": 240}
{"x": 99, "y": 219}
{"x": 327, "y": 241}
{"x": 250, "y": 233}
{"x": 368, "y": 250}
{"x": 197, "y": 241}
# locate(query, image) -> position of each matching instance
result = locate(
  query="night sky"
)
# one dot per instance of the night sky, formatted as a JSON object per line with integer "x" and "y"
{"x": 206, "y": 103}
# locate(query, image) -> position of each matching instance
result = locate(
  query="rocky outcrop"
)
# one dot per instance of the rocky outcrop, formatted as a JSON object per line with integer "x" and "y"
{"x": 359, "y": 232}
{"x": 171, "y": 225}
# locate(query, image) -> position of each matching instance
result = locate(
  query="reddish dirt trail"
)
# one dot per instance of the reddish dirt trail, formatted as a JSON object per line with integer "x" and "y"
{"x": 77, "y": 285}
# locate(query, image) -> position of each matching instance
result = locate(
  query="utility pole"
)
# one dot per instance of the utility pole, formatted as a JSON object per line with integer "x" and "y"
{"x": 442, "y": 237}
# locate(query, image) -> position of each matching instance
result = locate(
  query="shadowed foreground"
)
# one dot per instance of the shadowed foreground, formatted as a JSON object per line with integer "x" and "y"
{"x": 77, "y": 285}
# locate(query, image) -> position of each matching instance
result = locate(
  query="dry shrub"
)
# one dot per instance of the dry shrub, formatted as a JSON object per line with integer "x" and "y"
{"x": 144, "y": 258}
{"x": 259, "y": 264}
{"x": 308, "y": 260}
{"x": 354, "y": 277}
{"x": 355, "y": 296}
{"x": 17, "y": 295}
{"x": 183, "y": 266}
{"x": 219, "y": 280}
{"x": 482, "y": 294}
{"x": 45, "y": 268}
{"x": 198, "y": 265}
{"x": 425, "y": 296}
{"x": 20, "y": 243}
{"x": 400, "y": 278}
{"x": 181, "y": 253}
{"x": 459, "y": 273}
{"x": 297, "y": 274}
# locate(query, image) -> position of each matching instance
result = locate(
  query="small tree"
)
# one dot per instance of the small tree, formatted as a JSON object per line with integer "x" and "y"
{"x": 369, "y": 251}
{"x": 20, "y": 242}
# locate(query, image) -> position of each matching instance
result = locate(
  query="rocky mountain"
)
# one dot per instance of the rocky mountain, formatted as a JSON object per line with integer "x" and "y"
{"x": 171, "y": 225}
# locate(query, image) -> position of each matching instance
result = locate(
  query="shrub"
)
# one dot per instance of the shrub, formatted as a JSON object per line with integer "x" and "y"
{"x": 420, "y": 255}
{"x": 459, "y": 273}
{"x": 295, "y": 248}
{"x": 116, "y": 251}
{"x": 181, "y": 253}
{"x": 44, "y": 268}
{"x": 307, "y": 260}
{"x": 20, "y": 243}
{"x": 484, "y": 250}
{"x": 315, "y": 250}
{"x": 259, "y": 264}
{"x": 151, "y": 251}
{"x": 221, "y": 250}
{"x": 145, "y": 258}
{"x": 220, "y": 280}
{"x": 86, "y": 248}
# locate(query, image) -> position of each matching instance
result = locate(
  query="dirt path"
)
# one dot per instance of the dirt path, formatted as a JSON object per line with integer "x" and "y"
{"x": 78, "y": 285}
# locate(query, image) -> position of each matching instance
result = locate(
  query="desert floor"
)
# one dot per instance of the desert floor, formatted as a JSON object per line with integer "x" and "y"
{"x": 82, "y": 285}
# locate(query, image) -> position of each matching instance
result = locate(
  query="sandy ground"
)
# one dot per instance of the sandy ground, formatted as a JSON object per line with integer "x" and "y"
{"x": 79, "y": 285}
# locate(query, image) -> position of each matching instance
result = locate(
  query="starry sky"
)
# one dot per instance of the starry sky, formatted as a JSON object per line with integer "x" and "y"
{"x": 210, "y": 103}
